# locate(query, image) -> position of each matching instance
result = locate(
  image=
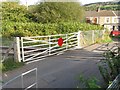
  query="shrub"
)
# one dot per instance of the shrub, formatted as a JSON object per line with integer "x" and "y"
{"x": 110, "y": 66}
{"x": 90, "y": 82}
{"x": 36, "y": 29}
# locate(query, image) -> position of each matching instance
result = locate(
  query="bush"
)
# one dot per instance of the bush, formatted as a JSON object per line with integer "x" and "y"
{"x": 88, "y": 82}
{"x": 36, "y": 29}
{"x": 12, "y": 11}
{"x": 52, "y": 12}
{"x": 110, "y": 66}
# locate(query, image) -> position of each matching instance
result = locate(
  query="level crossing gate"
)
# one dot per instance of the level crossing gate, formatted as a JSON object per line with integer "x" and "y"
{"x": 37, "y": 47}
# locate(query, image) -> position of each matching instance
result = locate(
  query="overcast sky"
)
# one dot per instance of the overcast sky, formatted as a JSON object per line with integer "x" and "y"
{"x": 30, "y": 2}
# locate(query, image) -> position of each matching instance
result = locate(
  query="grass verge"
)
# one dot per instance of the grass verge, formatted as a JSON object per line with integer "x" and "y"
{"x": 10, "y": 64}
{"x": 106, "y": 39}
{"x": 88, "y": 82}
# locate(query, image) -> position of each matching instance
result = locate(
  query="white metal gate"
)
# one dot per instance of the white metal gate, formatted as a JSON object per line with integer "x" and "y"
{"x": 37, "y": 47}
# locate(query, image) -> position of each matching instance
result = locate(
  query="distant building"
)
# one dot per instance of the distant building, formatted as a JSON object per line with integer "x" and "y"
{"x": 109, "y": 19}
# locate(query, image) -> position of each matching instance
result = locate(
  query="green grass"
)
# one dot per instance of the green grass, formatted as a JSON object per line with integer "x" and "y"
{"x": 90, "y": 82}
{"x": 10, "y": 64}
{"x": 107, "y": 39}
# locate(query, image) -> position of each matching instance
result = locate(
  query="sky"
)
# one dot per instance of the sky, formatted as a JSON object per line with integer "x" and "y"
{"x": 30, "y": 2}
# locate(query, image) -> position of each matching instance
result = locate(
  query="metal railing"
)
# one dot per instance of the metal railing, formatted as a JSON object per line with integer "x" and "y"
{"x": 22, "y": 81}
{"x": 38, "y": 47}
{"x": 115, "y": 85}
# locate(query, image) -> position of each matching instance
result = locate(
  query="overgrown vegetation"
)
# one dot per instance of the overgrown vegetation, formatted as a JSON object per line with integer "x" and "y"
{"x": 12, "y": 11}
{"x": 34, "y": 29}
{"x": 43, "y": 19}
{"x": 105, "y": 38}
{"x": 110, "y": 66}
{"x": 9, "y": 64}
{"x": 53, "y": 12}
{"x": 88, "y": 83}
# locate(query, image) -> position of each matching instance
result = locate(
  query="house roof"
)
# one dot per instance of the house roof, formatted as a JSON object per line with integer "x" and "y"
{"x": 91, "y": 14}
{"x": 117, "y": 13}
{"x": 102, "y": 13}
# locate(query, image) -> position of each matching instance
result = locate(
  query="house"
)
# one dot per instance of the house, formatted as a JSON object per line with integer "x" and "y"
{"x": 107, "y": 18}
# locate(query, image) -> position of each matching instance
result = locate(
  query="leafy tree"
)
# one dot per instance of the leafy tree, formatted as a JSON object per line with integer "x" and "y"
{"x": 12, "y": 11}
{"x": 57, "y": 11}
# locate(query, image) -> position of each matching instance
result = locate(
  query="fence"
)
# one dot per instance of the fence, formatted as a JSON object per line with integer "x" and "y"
{"x": 115, "y": 85}
{"x": 91, "y": 37}
{"x": 37, "y": 47}
{"x": 23, "y": 80}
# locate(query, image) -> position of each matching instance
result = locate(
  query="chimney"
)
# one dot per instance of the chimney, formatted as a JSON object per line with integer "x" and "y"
{"x": 98, "y": 9}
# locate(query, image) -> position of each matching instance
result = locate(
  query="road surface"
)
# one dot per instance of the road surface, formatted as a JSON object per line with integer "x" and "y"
{"x": 62, "y": 71}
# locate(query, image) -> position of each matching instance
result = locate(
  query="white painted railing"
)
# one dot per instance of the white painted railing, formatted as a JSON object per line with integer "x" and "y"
{"x": 22, "y": 80}
{"x": 37, "y": 47}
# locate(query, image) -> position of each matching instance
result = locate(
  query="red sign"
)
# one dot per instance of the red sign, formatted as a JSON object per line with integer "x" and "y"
{"x": 60, "y": 42}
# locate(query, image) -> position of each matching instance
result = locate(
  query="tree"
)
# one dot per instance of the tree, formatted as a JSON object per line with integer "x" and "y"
{"x": 52, "y": 12}
{"x": 12, "y": 11}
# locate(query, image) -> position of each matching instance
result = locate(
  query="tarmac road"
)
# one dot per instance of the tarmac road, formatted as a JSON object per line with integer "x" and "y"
{"x": 62, "y": 71}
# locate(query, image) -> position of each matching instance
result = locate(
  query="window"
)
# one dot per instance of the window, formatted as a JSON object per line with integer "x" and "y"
{"x": 118, "y": 20}
{"x": 115, "y": 20}
{"x": 107, "y": 20}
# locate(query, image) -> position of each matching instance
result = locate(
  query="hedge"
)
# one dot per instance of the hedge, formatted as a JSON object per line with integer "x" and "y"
{"x": 36, "y": 29}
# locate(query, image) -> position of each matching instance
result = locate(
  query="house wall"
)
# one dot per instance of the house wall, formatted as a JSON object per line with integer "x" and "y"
{"x": 102, "y": 20}
{"x": 92, "y": 19}
{"x": 117, "y": 19}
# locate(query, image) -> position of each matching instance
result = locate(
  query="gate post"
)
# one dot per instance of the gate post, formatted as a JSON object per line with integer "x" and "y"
{"x": 17, "y": 49}
{"x": 79, "y": 40}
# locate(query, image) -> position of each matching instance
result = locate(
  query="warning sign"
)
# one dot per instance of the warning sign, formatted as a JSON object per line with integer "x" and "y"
{"x": 60, "y": 42}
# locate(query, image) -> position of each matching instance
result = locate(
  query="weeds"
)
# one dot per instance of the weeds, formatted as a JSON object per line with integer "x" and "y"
{"x": 110, "y": 66}
{"x": 88, "y": 83}
{"x": 10, "y": 64}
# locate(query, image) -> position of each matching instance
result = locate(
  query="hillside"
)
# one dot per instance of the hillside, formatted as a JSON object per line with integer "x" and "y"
{"x": 103, "y": 5}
